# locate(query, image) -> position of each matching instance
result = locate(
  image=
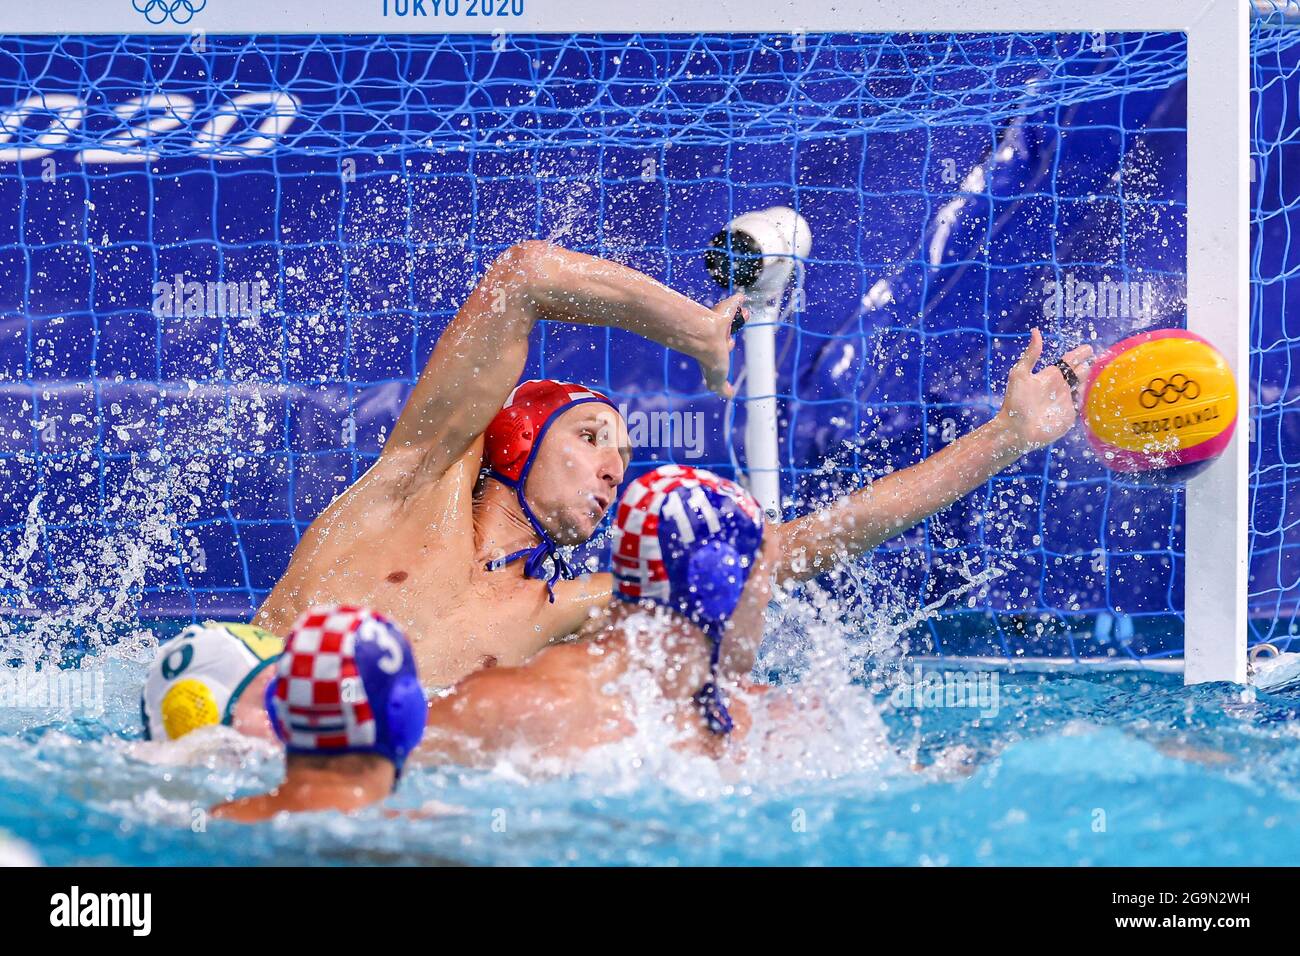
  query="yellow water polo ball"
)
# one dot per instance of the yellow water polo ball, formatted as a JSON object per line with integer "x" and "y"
{"x": 1160, "y": 405}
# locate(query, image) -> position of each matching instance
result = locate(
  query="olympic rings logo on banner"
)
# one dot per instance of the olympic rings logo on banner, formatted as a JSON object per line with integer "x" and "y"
{"x": 1158, "y": 390}
{"x": 160, "y": 11}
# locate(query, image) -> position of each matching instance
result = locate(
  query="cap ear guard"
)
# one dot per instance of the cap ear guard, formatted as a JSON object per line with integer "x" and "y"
{"x": 716, "y": 580}
{"x": 510, "y": 445}
{"x": 406, "y": 715}
{"x": 513, "y": 436}
{"x": 695, "y": 557}
{"x": 387, "y": 669}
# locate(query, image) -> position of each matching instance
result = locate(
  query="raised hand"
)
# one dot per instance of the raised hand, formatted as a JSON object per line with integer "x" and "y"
{"x": 1039, "y": 406}
{"x": 715, "y": 361}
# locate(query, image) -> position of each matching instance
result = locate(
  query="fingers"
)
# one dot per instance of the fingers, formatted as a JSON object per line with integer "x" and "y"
{"x": 735, "y": 310}
{"x": 1073, "y": 367}
{"x": 1032, "y": 353}
{"x": 730, "y": 304}
{"x": 735, "y": 314}
{"x": 716, "y": 381}
{"x": 1079, "y": 359}
{"x": 1067, "y": 372}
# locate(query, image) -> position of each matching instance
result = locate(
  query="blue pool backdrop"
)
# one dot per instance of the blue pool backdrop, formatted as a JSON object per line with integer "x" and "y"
{"x": 157, "y": 463}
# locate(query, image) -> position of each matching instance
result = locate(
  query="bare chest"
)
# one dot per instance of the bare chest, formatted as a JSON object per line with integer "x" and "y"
{"x": 460, "y": 621}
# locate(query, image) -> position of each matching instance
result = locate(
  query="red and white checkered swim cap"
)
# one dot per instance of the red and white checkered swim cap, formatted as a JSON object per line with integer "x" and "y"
{"x": 347, "y": 683}
{"x": 666, "y": 520}
{"x": 686, "y": 539}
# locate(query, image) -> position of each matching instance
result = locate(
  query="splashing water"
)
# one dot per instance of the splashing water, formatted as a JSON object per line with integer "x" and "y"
{"x": 1070, "y": 768}
{"x": 74, "y": 572}
{"x": 1073, "y": 768}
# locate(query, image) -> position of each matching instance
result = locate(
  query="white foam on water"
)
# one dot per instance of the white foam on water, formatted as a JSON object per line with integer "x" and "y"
{"x": 15, "y": 852}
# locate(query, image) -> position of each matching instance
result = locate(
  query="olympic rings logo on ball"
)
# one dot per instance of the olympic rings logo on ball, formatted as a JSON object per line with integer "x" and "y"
{"x": 1158, "y": 390}
{"x": 160, "y": 11}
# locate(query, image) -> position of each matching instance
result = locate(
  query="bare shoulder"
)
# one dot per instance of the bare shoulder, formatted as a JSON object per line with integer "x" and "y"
{"x": 488, "y": 702}
{"x": 554, "y": 672}
{"x": 399, "y": 479}
{"x": 245, "y": 809}
{"x": 579, "y": 605}
{"x": 382, "y": 514}
{"x": 392, "y": 491}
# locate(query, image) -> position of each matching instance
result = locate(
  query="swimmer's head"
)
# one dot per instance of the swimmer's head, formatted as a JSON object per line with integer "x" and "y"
{"x": 689, "y": 540}
{"x": 347, "y": 684}
{"x": 197, "y": 678}
{"x": 576, "y": 474}
{"x": 563, "y": 449}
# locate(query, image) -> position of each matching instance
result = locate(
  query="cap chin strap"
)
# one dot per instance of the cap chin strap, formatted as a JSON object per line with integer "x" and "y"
{"x": 709, "y": 697}
{"x": 535, "y": 565}
{"x": 716, "y": 577}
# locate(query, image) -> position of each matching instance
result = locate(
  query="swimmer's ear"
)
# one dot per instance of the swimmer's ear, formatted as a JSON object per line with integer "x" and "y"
{"x": 716, "y": 580}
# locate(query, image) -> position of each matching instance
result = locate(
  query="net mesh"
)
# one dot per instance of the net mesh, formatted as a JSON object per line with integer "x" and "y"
{"x": 207, "y": 339}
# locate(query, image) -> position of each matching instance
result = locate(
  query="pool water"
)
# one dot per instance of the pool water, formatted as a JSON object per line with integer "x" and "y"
{"x": 1070, "y": 768}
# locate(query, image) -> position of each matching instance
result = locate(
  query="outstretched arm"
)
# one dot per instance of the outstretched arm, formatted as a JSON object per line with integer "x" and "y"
{"x": 486, "y": 712}
{"x": 549, "y": 705}
{"x": 481, "y": 355}
{"x": 1037, "y": 410}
